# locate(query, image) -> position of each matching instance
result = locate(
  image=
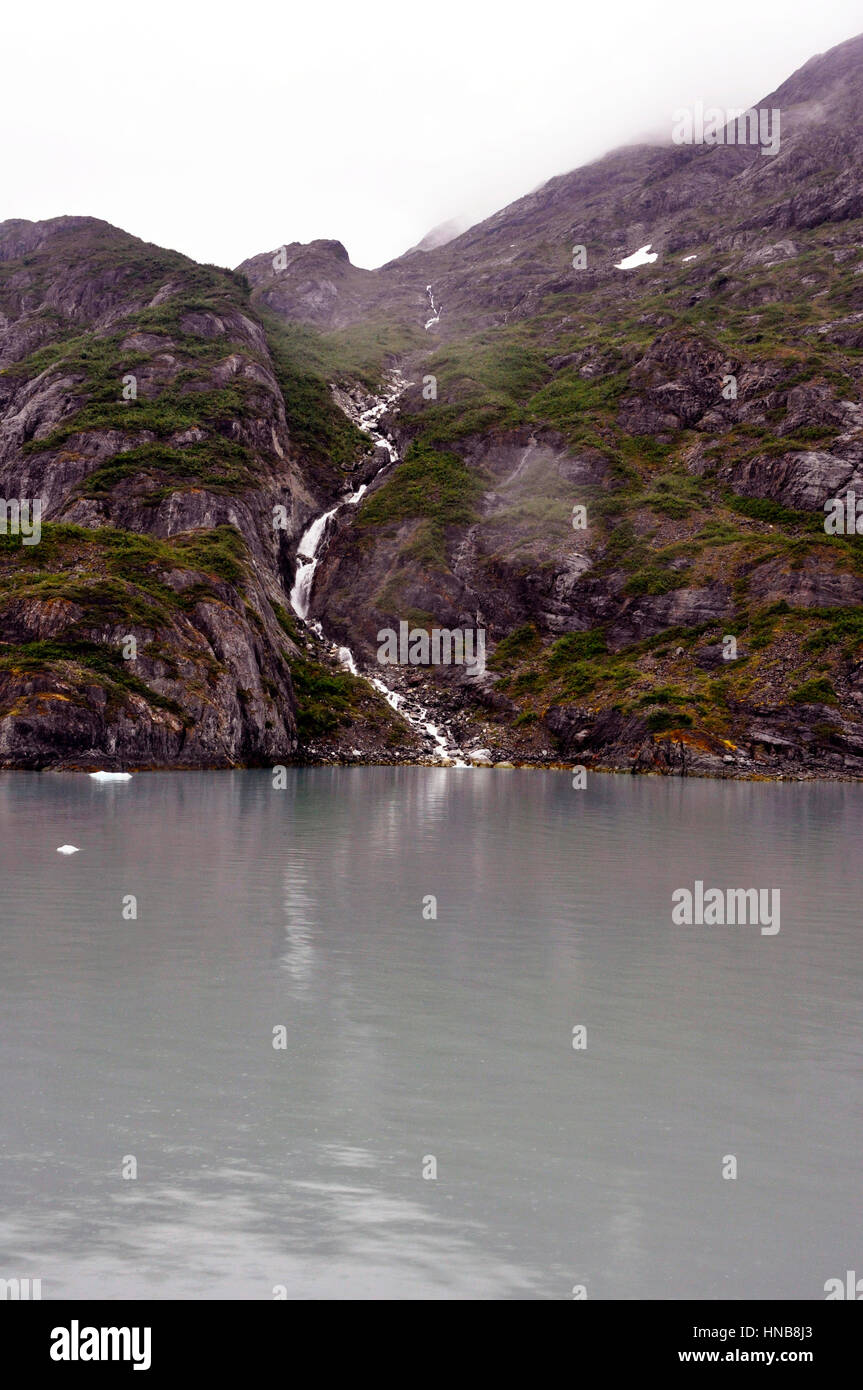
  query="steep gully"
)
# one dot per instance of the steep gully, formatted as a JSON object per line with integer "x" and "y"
{"x": 309, "y": 551}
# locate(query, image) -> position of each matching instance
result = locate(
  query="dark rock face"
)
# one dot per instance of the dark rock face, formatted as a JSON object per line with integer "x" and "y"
{"x": 676, "y": 383}
{"x": 222, "y": 695}
{"x": 316, "y": 283}
{"x": 676, "y": 197}
{"x": 645, "y": 617}
{"x": 141, "y": 408}
{"x": 803, "y": 480}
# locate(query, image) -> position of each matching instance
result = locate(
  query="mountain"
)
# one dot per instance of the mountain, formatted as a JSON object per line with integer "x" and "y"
{"x": 701, "y": 408}
{"x": 675, "y": 196}
{"x": 439, "y": 236}
{"x": 159, "y": 425}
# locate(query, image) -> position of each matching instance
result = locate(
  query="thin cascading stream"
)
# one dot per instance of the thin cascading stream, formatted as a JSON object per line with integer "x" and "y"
{"x": 309, "y": 552}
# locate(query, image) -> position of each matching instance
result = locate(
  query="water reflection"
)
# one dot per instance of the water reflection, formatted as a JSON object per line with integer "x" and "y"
{"x": 409, "y": 1037}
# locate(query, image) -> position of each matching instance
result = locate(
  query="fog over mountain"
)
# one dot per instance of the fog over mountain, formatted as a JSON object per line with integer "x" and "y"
{"x": 371, "y": 125}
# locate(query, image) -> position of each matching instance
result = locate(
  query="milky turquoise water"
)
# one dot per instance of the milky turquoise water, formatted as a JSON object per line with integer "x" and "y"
{"x": 410, "y": 1039}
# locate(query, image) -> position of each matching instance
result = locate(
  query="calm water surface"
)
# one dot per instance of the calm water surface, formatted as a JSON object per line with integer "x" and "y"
{"x": 408, "y": 1038}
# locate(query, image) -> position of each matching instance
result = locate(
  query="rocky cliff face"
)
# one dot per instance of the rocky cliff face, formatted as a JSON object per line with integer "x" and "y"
{"x": 143, "y": 411}
{"x": 620, "y": 475}
{"x": 701, "y": 408}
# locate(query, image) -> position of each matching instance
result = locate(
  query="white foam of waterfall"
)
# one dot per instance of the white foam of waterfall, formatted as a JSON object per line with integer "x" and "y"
{"x": 436, "y": 309}
{"x": 309, "y": 553}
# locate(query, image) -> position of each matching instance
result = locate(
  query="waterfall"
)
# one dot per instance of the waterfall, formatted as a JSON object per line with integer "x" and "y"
{"x": 309, "y": 551}
{"x": 437, "y": 310}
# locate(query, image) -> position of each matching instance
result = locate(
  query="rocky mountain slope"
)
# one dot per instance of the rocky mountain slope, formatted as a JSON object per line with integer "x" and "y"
{"x": 176, "y": 450}
{"x": 619, "y": 475}
{"x": 702, "y": 408}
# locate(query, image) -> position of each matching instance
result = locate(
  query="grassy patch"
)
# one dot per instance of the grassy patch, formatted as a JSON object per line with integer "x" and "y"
{"x": 325, "y": 698}
{"x": 660, "y": 721}
{"x": 172, "y": 412}
{"x": 437, "y": 488}
{"x": 111, "y": 572}
{"x": 218, "y": 464}
{"x": 517, "y": 646}
{"x": 817, "y": 691}
{"x": 303, "y": 367}
{"x": 104, "y": 664}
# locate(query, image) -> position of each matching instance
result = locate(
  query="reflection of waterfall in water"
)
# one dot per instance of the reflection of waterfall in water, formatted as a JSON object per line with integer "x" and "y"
{"x": 298, "y": 955}
{"x": 309, "y": 552}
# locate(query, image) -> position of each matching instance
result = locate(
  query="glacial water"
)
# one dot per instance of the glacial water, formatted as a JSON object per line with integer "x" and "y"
{"x": 428, "y": 1128}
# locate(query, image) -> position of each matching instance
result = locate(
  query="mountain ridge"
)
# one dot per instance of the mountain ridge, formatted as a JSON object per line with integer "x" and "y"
{"x": 555, "y": 387}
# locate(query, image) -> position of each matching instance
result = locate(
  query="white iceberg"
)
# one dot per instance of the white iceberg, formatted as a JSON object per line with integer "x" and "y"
{"x": 111, "y": 776}
{"x": 67, "y": 849}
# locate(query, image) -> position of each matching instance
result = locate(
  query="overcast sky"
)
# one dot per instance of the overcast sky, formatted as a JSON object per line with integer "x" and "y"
{"x": 224, "y": 130}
